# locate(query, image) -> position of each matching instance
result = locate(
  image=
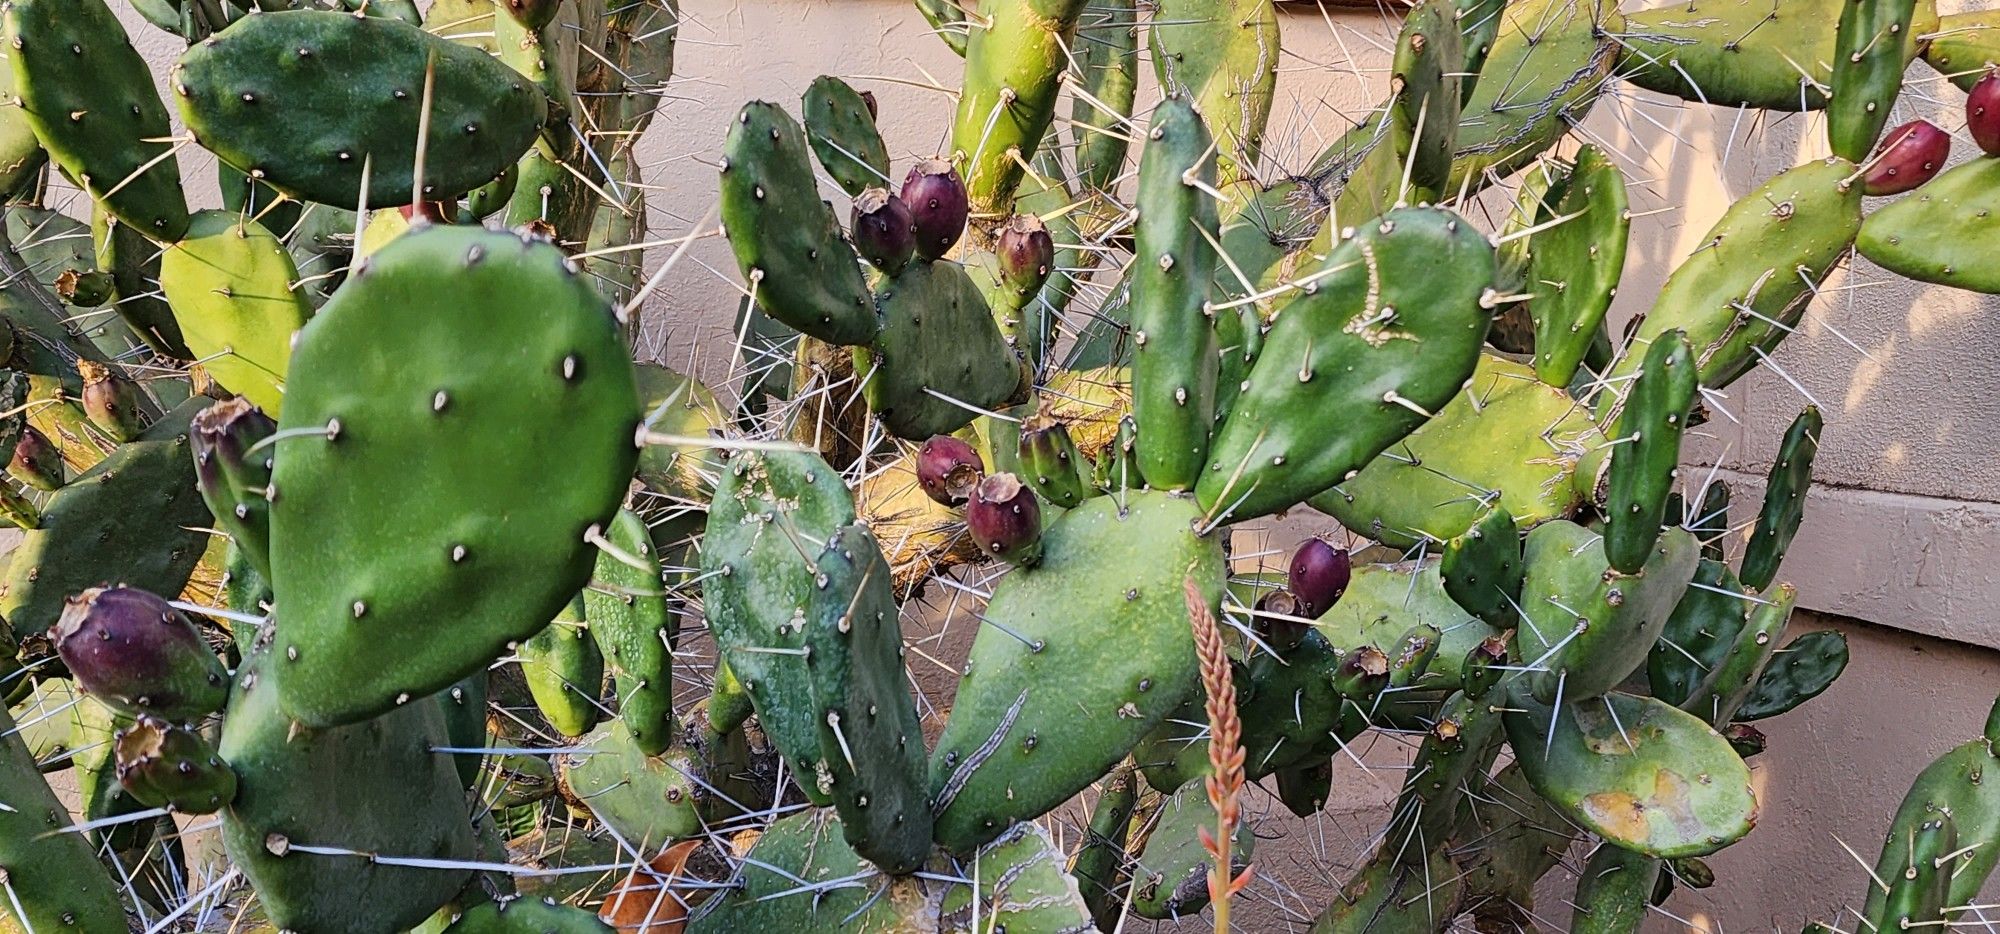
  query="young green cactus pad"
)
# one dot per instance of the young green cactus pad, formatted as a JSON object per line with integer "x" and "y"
{"x": 133, "y": 262}
{"x": 1482, "y": 569}
{"x": 1388, "y": 895}
{"x": 1799, "y": 672}
{"x": 1384, "y": 601}
{"x": 841, "y": 128}
{"x": 1776, "y": 56}
{"x": 1507, "y": 433}
{"x": 519, "y": 382}
{"x": 527, "y": 915}
{"x": 1699, "y": 632}
{"x": 635, "y": 627}
{"x": 1456, "y": 753}
{"x": 1961, "y": 46}
{"x": 1553, "y": 56}
{"x": 1587, "y": 625}
{"x": 90, "y": 100}
{"x": 1170, "y": 877}
{"x": 1784, "y": 500}
{"x": 352, "y": 92}
{"x": 1425, "y": 77}
{"x": 565, "y": 671}
{"x": 1575, "y": 265}
{"x": 649, "y": 799}
{"x": 1175, "y": 359}
{"x": 1013, "y": 64}
{"x": 232, "y": 287}
{"x": 135, "y": 517}
{"x": 1073, "y": 666}
{"x": 1870, "y": 51}
{"x": 1737, "y": 673}
{"x": 1954, "y": 784}
{"x": 1933, "y": 234}
{"x": 1107, "y": 60}
{"x": 1388, "y": 336}
{"x": 786, "y": 239}
{"x": 1614, "y": 894}
{"x": 1650, "y": 420}
{"x": 1222, "y": 58}
{"x": 54, "y": 881}
{"x": 939, "y": 356}
{"x": 1099, "y": 864}
{"x": 1758, "y": 265}
{"x": 1637, "y": 772}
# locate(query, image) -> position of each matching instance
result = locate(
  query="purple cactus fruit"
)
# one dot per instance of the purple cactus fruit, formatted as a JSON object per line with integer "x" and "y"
{"x": 110, "y": 400}
{"x": 1269, "y": 624}
{"x": 874, "y": 109}
{"x": 36, "y": 461}
{"x": 1908, "y": 156}
{"x": 223, "y": 434}
{"x": 1982, "y": 113}
{"x": 1318, "y": 576}
{"x": 169, "y": 766}
{"x": 131, "y": 650}
{"x": 948, "y": 469}
{"x": 936, "y": 196}
{"x": 884, "y": 231}
{"x": 1026, "y": 252}
{"x": 1005, "y": 520}
{"x": 533, "y": 14}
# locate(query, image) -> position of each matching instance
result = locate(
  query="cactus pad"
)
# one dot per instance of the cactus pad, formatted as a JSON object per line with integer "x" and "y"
{"x": 1588, "y": 626}
{"x": 1175, "y": 357}
{"x": 635, "y": 627}
{"x": 1936, "y": 233}
{"x": 937, "y": 335}
{"x": 843, "y": 136}
{"x": 1576, "y": 264}
{"x": 232, "y": 287}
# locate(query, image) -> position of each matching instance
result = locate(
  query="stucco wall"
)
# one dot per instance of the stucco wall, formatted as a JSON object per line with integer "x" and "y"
{"x": 1899, "y": 532}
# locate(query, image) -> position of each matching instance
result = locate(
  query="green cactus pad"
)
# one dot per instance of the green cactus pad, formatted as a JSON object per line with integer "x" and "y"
{"x": 372, "y": 787}
{"x": 21, "y": 153}
{"x": 771, "y": 513}
{"x": 1956, "y": 784}
{"x": 843, "y": 136}
{"x": 135, "y": 518}
{"x": 1919, "y": 889}
{"x": 1383, "y": 601}
{"x": 1635, "y": 771}
{"x": 351, "y": 92}
{"x": 1797, "y": 673}
{"x": 1735, "y": 52}
{"x": 1107, "y": 57}
{"x": 1293, "y": 709}
{"x": 1506, "y": 433}
{"x": 1425, "y": 74}
{"x": 1099, "y": 866}
{"x": 1871, "y": 48}
{"x": 1175, "y": 360}
{"x": 464, "y": 708}
{"x": 410, "y": 442}
{"x": 1397, "y": 317}
{"x": 1934, "y": 234}
{"x": 1784, "y": 501}
{"x": 1962, "y": 46}
{"x": 89, "y": 97}
{"x": 133, "y": 262}
{"x": 1576, "y": 265}
{"x": 650, "y": 800}
{"x": 53, "y": 878}
{"x": 786, "y": 240}
{"x": 1389, "y": 897}
{"x": 1453, "y": 760}
{"x": 1698, "y": 633}
{"x": 1482, "y": 569}
{"x": 938, "y": 335}
{"x": 232, "y": 287}
{"x": 871, "y": 742}
{"x": 1603, "y": 621}
{"x": 947, "y": 21}
{"x": 1768, "y": 253}
{"x": 1170, "y": 876}
{"x": 1013, "y": 71}
{"x": 1614, "y": 893}
{"x": 1305, "y": 788}
{"x": 1552, "y": 57}
{"x": 1021, "y": 887}
{"x": 1073, "y": 665}
{"x": 527, "y": 915}
{"x": 635, "y": 627}
{"x": 1650, "y": 420}
{"x": 1522, "y": 838}
{"x": 565, "y": 671}
{"x": 1737, "y": 673}
{"x": 1221, "y": 56}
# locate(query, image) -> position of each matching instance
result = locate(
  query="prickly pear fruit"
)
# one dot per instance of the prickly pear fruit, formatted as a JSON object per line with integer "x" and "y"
{"x": 1318, "y": 575}
{"x": 534, "y": 14}
{"x": 110, "y": 399}
{"x": 234, "y": 482}
{"x": 36, "y": 461}
{"x": 1271, "y": 624}
{"x": 1006, "y": 520}
{"x": 1050, "y": 460}
{"x": 165, "y": 765}
{"x": 883, "y": 230}
{"x": 1908, "y": 156}
{"x": 1982, "y": 113}
{"x": 131, "y": 650}
{"x": 1027, "y": 253}
{"x": 936, "y": 198}
{"x": 948, "y": 469}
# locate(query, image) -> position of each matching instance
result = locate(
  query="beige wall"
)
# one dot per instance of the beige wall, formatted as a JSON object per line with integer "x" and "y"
{"x": 1899, "y": 532}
